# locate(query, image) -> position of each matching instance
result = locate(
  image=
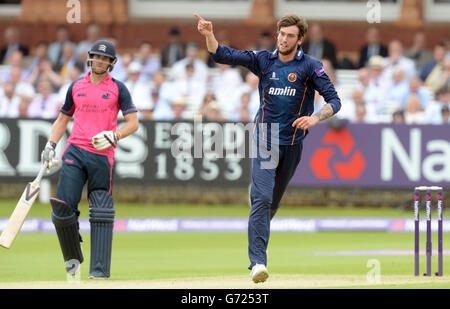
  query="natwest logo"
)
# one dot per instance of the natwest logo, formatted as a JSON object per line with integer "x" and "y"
{"x": 341, "y": 141}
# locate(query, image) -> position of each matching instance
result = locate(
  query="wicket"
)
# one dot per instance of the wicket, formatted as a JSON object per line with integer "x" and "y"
{"x": 428, "y": 208}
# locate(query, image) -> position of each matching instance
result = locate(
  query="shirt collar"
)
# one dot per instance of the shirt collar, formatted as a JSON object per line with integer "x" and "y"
{"x": 298, "y": 55}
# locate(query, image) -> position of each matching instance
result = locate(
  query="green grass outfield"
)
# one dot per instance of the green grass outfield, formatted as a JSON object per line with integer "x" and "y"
{"x": 219, "y": 260}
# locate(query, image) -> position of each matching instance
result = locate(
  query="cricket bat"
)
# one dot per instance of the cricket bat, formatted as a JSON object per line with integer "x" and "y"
{"x": 21, "y": 211}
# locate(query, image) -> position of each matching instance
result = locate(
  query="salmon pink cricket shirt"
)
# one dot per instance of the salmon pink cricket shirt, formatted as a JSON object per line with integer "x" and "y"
{"x": 95, "y": 109}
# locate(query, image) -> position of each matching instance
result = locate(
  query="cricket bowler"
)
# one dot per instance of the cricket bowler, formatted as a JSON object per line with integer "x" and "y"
{"x": 93, "y": 101}
{"x": 288, "y": 79}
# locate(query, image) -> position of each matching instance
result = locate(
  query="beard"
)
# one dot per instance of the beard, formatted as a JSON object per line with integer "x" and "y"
{"x": 289, "y": 51}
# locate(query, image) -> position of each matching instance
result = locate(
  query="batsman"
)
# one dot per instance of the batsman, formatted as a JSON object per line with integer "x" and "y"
{"x": 93, "y": 101}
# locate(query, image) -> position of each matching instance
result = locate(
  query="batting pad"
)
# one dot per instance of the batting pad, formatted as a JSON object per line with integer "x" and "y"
{"x": 66, "y": 225}
{"x": 101, "y": 217}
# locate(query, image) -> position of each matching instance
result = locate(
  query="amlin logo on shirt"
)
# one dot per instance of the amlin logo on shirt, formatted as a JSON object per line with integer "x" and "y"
{"x": 288, "y": 91}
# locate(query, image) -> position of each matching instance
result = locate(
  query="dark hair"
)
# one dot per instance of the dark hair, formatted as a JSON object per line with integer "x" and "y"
{"x": 294, "y": 20}
{"x": 174, "y": 31}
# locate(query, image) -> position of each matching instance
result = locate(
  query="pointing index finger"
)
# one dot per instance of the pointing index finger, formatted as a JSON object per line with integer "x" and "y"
{"x": 198, "y": 17}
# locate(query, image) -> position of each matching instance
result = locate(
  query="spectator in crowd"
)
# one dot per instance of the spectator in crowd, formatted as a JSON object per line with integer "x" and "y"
{"x": 415, "y": 86}
{"x": 178, "y": 107}
{"x": 9, "y": 101}
{"x": 348, "y": 109}
{"x": 374, "y": 92}
{"x": 363, "y": 78}
{"x": 224, "y": 84}
{"x": 445, "y": 76}
{"x": 373, "y": 47}
{"x": 163, "y": 93}
{"x": 446, "y": 41}
{"x": 22, "y": 89}
{"x": 39, "y": 54}
{"x": 73, "y": 74}
{"x": 433, "y": 112}
{"x": 445, "y": 114}
{"x": 317, "y": 46}
{"x": 242, "y": 113}
{"x": 397, "y": 59}
{"x": 398, "y": 117}
{"x": 413, "y": 111}
{"x": 156, "y": 83}
{"x": 16, "y": 61}
{"x": 200, "y": 73}
{"x": 149, "y": 63}
{"x": 83, "y": 60}
{"x": 418, "y": 52}
{"x": 44, "y": 71}
{"x": 250, "y": 86}
{"x": 399, "y": 89}
{"x": 93, "y": 34}
{"x": 125, "y": 60}
{"x": 140, "y": 91}
{"x": 191, "y": 87}
{"x": 12, "y": 38}
{"x": 265, "y": 42}
{"x": 360, "y": 114}
{"x": 208, "y": 98}
{"x": 56, "y": 49}
{"x": 212, "y": 112}
{"x": 46, "y": 104}
{"x": 174, "y": 51}
{"x": 431, "y": 72}
{"x": 121, "y": 67}
{"x": 68, "y": 62}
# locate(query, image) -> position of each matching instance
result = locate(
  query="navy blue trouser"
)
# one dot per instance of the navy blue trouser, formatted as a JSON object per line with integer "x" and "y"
{"x": 268, "y": 184}
{"x": 78, "y": 167}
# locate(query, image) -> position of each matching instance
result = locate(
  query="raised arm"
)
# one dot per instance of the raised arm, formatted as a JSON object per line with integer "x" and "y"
{"x": 224, "y": 54}
{"x": 206, "y": 29}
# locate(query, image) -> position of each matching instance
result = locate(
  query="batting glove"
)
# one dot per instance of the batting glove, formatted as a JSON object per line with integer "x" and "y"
{"x": 105, "y": 139}
{"x": 48, "y": 155}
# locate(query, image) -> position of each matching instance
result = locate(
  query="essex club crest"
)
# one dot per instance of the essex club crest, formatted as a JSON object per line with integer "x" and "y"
{"x": 292, "y": 77}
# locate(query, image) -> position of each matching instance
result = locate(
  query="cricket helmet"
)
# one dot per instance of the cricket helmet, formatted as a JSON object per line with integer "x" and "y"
{"x": 103, "y": 48}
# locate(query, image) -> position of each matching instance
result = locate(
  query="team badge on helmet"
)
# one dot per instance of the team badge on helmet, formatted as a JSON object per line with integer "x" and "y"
{"x": 292, "y": 77}
{"x": 102, "y": 48}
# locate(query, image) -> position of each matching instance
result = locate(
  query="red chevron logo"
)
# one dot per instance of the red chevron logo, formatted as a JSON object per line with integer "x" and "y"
{"x": 349, "y": 169}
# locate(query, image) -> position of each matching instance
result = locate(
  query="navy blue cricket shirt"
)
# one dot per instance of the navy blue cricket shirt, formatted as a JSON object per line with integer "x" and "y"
{"x": 286, "y": 90}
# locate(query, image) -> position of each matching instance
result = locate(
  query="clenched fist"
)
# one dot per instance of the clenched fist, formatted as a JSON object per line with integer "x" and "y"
{"x": 105, "y": 139}
{"x": 48, "y": 156}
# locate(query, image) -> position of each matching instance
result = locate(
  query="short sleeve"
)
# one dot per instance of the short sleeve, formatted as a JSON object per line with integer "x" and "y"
{"x": 125, "y": 102}
{"x": 68, "y": 107}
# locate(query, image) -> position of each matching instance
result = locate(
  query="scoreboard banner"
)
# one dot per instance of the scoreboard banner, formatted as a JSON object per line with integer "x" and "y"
{"x": 218, "y": 153}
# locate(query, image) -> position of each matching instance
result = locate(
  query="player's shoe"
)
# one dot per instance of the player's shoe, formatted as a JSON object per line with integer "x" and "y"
{"x": 259, "y": 273}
